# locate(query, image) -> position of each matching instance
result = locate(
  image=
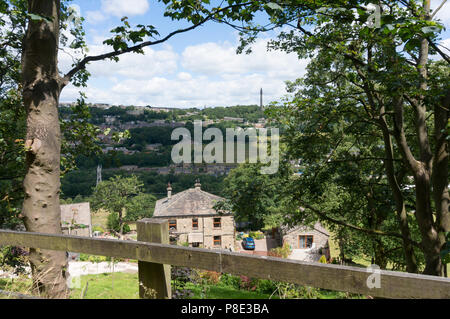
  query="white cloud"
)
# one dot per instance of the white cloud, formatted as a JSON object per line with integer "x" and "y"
{"x": 221, "y": 59}
{"x": 184, "y": 76}
{"x": 94, "y": 17}
{"x": 209, "y": 74}
{"x": 130, "y": 66}
{"x": 120, "y": 8}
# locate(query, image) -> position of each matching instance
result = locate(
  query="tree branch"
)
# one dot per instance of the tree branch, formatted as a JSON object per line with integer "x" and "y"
{"x": 82, "y": 64}
{"x": 357, "y": 228}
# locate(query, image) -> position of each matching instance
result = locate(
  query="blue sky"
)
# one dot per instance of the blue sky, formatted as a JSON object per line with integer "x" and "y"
{"x": 194, "y": 69}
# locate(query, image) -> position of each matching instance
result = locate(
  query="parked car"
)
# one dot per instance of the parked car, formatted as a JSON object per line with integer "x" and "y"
{"x": 248, "y": 243}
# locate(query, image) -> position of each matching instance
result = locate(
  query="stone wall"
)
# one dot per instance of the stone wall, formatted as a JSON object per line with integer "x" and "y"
{"x": 320, "y": 239}
{"x": 206, "y": 231}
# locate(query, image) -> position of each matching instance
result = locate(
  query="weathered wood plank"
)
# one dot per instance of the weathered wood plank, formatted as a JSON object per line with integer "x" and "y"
{"x": 154, "y": 279}
{"x": 333, "y": 277}
{"x": 393, "y": 284}
{"x": 16, "y": 295}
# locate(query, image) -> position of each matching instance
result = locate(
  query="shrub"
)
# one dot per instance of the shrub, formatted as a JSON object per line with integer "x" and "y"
{"x": 180, "y": 277}
{"x": 282, "y": 252}
{"x": 99, "y": 229}
{"x": 265, "y": 286}
{"x": 230, "y": 281}
{"x": 14, "y": 257}
{"x": 113, "y": 223}
{"x": 256, "y": 234}
{"x": 211, "y": 277}
{"x": 323, "y": 259}
{"x": 247, "y": 283}
{"x": 92, "y": 258}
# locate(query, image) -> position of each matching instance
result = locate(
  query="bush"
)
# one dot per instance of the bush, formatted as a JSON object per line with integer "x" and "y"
{"x": 256, "y": 234}
{"x": 14, "y": 257}
{"x": 323, "y": 259}
{"x": 99, "y": 229}
{"x": 92, "y": 258}
{"x": 265, "y": 286}
{"x": 211, "y": 277}
{"x": 180, "y": 277}
{"x": 281, "y": 252}
{"x": 230, "y": 281}
{"x": 248, "y": 283}
{"x": 113, "y": 223}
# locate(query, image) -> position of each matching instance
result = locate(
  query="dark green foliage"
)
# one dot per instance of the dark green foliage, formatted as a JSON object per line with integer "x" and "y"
{"x": 81, "y": 182}
{"x": 113, "y": 223}
{"x": 124, "y": 199}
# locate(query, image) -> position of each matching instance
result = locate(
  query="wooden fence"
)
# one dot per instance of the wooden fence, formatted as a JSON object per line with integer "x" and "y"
{"x": 155, "y": 255}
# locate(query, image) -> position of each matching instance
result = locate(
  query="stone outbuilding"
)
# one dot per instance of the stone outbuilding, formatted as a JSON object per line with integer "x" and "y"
{"x": 193, "y": 220}
{"x": 308, "y": 243}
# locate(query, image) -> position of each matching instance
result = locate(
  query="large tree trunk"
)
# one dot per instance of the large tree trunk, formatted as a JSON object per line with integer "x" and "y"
{"x": 41, "y": 88}
{"x": 394, "y": 182}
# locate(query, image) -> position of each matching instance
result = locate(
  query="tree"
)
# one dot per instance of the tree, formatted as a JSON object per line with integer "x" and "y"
{"x": 255, "y": 197}
{"x": 13, "y": 116}
{"x": 34, "y": 32}
{"x": 382, "y": 77}
{"x": 384, "y": 57}
{"x": 123, "y": 196}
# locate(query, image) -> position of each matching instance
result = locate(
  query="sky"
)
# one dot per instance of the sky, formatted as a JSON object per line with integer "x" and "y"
{"x": 199, "y": 68}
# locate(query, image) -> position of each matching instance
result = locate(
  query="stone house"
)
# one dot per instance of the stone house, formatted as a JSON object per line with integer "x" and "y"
{"x": 307, "y": 243}
{"x": 193, "y": 220}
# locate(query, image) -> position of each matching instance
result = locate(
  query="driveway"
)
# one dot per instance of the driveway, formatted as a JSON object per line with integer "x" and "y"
{"x": 262, "y": 246}
{"x": 304, "y": 255}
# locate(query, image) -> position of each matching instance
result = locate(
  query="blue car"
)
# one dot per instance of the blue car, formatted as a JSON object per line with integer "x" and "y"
{"x": 248, "y": 243}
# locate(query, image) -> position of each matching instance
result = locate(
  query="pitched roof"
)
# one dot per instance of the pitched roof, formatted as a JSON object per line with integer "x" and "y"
{"x": 191, "y": 202}
{"x": 304, "y": 228}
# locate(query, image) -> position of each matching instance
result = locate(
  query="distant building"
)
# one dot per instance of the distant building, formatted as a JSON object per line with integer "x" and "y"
{"x": 153, "y": 147}
{"x": 76, "y": 219}
{"x": 234, "y": 119}
{"x": 193, "y": 220}
{"x": 307, "y": 243}
{"x": 109, "y": 119}
{"x": 129, "y": 167}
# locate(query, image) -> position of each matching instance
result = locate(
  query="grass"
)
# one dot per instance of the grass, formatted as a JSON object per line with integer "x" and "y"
{"x": 20, "y": 285}
{"x": 108, "y": 286}
{"x": 125, "y": 286}
{"x": 224, "y": 292}
{"x": 100, "y": 218}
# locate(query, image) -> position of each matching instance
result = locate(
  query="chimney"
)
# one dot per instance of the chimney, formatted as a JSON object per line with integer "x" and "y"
{"x": 197, "y": 184}
{"x": 169, "y": 191}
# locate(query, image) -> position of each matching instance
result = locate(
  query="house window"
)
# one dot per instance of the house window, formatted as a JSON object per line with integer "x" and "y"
{"x": 305, "y": 241}
{"x": 172, "y": 224}
{"x": 195, "y": 244}
{"x": 217, "y": 241}
{"x": 194, "y": 223}
{"x": 217, "y": 222}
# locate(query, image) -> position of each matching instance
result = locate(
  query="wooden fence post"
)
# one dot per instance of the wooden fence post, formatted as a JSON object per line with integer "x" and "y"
{"x": 154, "y": 279}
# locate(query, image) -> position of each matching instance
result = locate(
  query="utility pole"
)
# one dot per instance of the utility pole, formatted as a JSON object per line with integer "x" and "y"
{"x": 99, "y": 173}
{"x": 261, "y": 98}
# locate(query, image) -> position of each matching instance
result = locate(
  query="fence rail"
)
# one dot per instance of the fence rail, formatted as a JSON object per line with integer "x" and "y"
{"x": 334, "y": 277}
